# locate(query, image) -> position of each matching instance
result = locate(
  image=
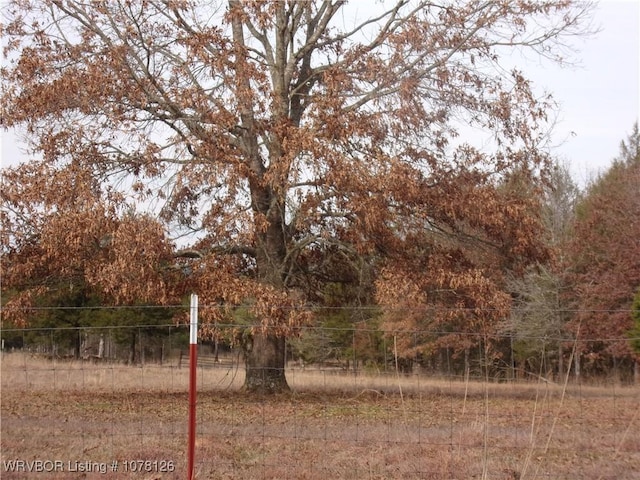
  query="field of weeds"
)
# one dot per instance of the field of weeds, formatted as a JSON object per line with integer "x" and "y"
{"x": 103, "y": 421}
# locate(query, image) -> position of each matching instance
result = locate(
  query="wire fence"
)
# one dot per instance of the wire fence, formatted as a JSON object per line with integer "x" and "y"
{"x": 111, "y": 402}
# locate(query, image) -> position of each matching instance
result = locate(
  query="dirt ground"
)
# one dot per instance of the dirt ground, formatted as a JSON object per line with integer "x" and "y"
{"x": 95, "y": 431}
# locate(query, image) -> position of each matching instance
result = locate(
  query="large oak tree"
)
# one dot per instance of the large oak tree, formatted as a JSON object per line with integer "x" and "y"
{"x": 283, "y": 135}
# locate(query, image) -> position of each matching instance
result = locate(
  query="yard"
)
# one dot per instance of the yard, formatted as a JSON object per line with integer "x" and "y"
{"x": 107, "y": 421}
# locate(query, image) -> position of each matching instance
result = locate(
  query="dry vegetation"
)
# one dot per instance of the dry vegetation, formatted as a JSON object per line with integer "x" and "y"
{"x": 331, "y": 425}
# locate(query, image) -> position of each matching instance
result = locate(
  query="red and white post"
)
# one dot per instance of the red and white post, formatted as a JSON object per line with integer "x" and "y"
{"x": 193, "y": 352}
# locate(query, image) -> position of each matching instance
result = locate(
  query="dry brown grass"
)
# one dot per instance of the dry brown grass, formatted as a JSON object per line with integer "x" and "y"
{"x": 331, "y": 425}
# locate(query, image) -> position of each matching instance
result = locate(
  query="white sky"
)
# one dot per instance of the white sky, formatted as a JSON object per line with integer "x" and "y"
{"x": 599, "y": 98}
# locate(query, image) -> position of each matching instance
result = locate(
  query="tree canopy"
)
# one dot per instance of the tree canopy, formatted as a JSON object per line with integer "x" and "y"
{"x": 605, "y": 251}
{"x": 272, "y": 138}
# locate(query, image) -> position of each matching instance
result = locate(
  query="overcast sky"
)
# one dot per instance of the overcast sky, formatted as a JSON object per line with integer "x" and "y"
{"x": 599, "y": 98}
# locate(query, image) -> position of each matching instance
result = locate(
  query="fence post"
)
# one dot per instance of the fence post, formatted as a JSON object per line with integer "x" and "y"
{"x": 193, "y": 346}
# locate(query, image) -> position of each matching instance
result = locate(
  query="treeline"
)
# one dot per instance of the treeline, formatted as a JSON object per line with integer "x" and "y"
{"x": 576, "y": 310}
{"x": 348, "y": 340}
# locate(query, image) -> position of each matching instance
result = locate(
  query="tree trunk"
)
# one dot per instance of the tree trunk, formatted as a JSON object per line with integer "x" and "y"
{"x": 561, "y": 363}
{"x": 264, "y": 352}
{"x": 77, "y": 347}
{"x": 132, "y": 349}
{"x": 215, "y": 351}
{"x": 265, "y": 362}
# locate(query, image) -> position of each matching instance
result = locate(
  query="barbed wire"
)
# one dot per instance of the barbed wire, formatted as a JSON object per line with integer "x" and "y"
{"x": 320, "y": 328}
{"x": 318, "y": 308}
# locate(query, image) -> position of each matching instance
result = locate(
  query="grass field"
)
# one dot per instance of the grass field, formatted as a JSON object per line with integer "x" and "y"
{"x": 78, "y": 419}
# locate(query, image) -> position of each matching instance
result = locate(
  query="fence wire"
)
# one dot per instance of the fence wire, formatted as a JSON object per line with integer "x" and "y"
{"x": 112, "y": 402}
